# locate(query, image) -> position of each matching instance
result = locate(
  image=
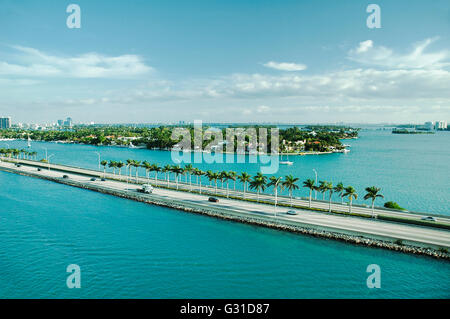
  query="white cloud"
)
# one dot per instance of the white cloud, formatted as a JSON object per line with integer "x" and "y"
{"x": 364, "y": 46}
{"x": 285, "y": 66}
{"x": 417, "y": 58}
{"x": 29, "y": 62}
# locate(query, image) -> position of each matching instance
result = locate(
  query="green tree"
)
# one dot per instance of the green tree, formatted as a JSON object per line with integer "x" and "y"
{"x": 310, "y": 184}
{"x": 290, "y": 184}
{"x": 245, "y": 179}
{"x": 276, "y": 182}
{"x": 339, "y": 189}
{"x": 373, "y": 193}
{"x": 259, "y": 183}
{"x": 351, "y": 193}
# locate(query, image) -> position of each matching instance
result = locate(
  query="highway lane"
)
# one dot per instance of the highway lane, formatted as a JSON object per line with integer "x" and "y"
{"x": 344, "y": 223}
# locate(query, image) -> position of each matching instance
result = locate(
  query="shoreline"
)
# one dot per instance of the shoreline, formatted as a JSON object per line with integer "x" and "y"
{"x": 171, "y": 150}
{"x": 265, "y": 221}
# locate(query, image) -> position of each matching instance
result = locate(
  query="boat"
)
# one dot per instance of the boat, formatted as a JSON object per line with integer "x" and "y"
{"x": 286, "y": 162}
{"x": 29, "y": 142}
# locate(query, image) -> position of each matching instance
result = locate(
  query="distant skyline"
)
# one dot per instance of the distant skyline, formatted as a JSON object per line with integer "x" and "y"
{"x": 225, "y": 61}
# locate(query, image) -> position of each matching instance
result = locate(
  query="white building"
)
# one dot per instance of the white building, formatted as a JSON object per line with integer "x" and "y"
{"x": 440, "y": 125}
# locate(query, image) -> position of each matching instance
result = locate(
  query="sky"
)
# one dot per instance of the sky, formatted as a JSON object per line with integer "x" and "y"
{"x": 225, "y": 61}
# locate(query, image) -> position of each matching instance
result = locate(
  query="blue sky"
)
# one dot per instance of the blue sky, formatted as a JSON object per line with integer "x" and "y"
{"x": 287, "y": 61}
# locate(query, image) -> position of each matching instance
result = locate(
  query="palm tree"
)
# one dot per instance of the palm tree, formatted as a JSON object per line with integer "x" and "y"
{"x": 225, "y": 177}
{"x": 214, "y": 177}
{"x": 309, "y": 183}
{"x": 155, "y": 168}
{"x": 244, "y": 178}
{"x": 136, "y": 165}
{"x": 321, "y": 188}
{"x": 147, "y": 166}
{"x": 189, "y": 169}
{"x": 259, "y": 183}
{"x": 198, "y": 173}
{"x": 119, "y": 165}
{"x": 233, "y": 175}
{"x": 351, "y": 193}
{"x": 339, "y": 189}
{"x": 276, "y": 182}
{"x": 129, "y": 164}
{"x": 208, "y": 175}
{"x": 328, "y": 187}
{"x": 372, "y": 193}
{"x": 112, "y": 165}
{"x": 104, "y": 163}
{"x": 166, "y": 170}
{"x": 290, "y": 183}
{"x": 177, "y": 170}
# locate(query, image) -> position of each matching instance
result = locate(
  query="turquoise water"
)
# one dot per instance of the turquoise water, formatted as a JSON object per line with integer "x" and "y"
{"x": 130, "y": 249}
{"x": 412, "y": 170}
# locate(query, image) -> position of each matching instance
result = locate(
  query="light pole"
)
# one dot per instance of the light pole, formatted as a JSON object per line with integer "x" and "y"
{"x": 315, "y": 191}
{"x": 48, "y": 160}
{"x": 45, "y": 153}
{"x": 99, "y": 159}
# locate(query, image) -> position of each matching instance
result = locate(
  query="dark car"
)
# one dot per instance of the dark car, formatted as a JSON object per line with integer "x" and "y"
{"x": 18, "y": 165}
{"x": 103, "y": 179}
{"x": 65, "y": 176}
{"x": 39, "y": 169}
{"x": 93, "y": 179}
{"x": 213, "y": 199}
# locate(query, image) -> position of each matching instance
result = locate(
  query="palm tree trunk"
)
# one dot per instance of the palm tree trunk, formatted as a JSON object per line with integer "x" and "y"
{"x": 310, "y": 197}
{"x": 290, "y": 194}
{"x": 330, "y": 203}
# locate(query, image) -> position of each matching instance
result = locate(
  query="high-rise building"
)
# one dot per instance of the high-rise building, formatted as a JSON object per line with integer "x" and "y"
{"x": 68, "y": 122}
{"x": 60, "y": 122}
{"x": 5, "y": 122}
{"x": 429, "y": 126}
{"x": 440, "y": 125}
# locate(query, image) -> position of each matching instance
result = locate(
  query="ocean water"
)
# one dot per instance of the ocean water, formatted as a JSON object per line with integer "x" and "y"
{"x": 127, "y": 249}
{"x": 412, "y": 170}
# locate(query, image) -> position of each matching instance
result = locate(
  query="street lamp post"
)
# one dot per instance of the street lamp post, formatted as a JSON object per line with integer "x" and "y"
{"x": 315, "y": 191}
{"x": 99, "y": 159}
{"x": 45, "y": 153}
{"x": 48, "y": 160}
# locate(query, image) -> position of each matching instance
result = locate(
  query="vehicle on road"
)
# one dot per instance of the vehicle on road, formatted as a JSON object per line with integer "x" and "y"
{"x": 146, "y": 188}
{"x": 93, "y": 179}
{"x": 65, "y": 176}
{"x": 103, "y": 179}
{"x": 39, "y": 169}
{"x": 429, "y": 218}
{"x": 213, "y": 200}
{"x": 291, "y": 212}
{"x": 18, "y": 165}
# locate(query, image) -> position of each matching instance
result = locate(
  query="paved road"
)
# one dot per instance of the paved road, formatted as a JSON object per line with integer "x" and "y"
{"x": 251, "y": 195}
{"x": 363, "y": 226}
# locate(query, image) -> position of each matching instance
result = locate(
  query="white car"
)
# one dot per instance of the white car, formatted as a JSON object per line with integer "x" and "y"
{"x": 429, "y": 218}
{"x": 291, "y": 212}
{"x": 147, "y": 188}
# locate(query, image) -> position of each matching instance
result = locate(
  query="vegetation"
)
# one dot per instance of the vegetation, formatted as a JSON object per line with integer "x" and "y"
{"x": 292, "y": 140}
{"x": 393, "y": 205}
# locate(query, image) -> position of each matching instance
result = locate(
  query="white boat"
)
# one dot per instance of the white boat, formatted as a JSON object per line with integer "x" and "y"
{"x": 29, "y": 142}
{"x": 286, "y": 162}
